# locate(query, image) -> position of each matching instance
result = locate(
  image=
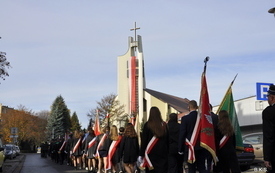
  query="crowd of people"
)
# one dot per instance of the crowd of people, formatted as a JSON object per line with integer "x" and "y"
{"x": 162, "y": 147}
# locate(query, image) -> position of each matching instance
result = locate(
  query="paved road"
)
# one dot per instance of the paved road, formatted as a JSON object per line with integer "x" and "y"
{"x": 33, "y": 163}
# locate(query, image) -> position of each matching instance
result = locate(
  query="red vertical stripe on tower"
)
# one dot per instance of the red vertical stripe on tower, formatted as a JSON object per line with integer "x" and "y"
{"x": 133, "y": 88}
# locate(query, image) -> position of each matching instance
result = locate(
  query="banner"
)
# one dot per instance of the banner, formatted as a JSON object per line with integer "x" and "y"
{"x": 207, "y": 134}
{"x": 228, "y": 105}
{"x": 97, "y": 125}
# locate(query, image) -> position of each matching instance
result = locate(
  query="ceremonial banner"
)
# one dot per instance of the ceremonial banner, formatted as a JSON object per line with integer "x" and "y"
{"x": 228, "y": 105}
{"x": 207, "y": 137}
{"x": 96, "y": 125}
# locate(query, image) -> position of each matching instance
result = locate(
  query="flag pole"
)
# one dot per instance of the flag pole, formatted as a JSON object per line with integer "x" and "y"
{"x": 229, "y": 88}
{"x": 205, "y": 63}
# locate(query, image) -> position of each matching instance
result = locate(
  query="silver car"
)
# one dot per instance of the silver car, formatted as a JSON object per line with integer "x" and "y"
{"x": 10, "y": 151}
{"x": 256, "y": 140}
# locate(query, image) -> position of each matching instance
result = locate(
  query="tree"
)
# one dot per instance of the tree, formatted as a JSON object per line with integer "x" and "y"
{"x": 110, "y": 106}
{"x": 75, "y": 122}
{"x": 31, "y": 129}
{"x": 59, "y": 119}
{"x": 3, "y": 65}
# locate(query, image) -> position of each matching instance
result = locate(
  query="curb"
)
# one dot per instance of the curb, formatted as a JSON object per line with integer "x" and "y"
{"x": 15, "y": 165}
{"x": 18, "y": 168}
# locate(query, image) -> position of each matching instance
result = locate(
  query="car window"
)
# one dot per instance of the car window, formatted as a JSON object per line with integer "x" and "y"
{"x": 8, "y": 147}
{"x": 255, "y": 139}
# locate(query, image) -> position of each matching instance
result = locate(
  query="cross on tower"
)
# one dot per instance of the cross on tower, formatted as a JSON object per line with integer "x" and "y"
{"x": 135, "y": 29}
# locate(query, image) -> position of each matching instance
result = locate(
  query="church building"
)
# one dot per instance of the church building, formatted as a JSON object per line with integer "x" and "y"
{"x": 132, "y": 91}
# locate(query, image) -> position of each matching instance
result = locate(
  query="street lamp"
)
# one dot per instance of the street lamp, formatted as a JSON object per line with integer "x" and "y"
{"x": 272, "y": 10}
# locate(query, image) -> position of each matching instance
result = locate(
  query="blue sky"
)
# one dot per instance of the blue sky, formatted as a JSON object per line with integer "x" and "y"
{"x": 70, "y": 48}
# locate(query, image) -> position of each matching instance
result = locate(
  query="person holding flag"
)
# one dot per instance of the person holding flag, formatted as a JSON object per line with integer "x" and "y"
{"x": 197, "y": 131}
{"x": 228, "y": 161}
{"x": 189, "y": 143}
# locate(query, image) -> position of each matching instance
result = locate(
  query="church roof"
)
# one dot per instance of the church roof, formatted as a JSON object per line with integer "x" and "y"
{"x": 180, "y": 104}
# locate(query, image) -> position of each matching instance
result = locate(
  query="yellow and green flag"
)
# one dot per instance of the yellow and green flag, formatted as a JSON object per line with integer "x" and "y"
{"x": 228, "y": 105}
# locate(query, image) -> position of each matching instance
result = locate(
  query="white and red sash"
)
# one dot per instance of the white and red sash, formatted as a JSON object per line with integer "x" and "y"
{"x": 191, "y": 144}
{"x": 63, "y": 145}
{"x": 223, "y": 141}
{"x": 112, "y": 150}
{"x": 92, "y": 142}
{"x": 77, "y": 145}
{"x": 146, "y": 160}
{"x": 100, "y": 144}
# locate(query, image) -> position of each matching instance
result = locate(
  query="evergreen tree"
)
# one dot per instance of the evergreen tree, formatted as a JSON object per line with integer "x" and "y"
{"x": 59, "y": 119}
{"x": 75, "y": 122}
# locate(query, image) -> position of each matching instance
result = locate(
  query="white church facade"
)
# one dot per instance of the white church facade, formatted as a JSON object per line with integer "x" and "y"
{"x": 132, "y": 91}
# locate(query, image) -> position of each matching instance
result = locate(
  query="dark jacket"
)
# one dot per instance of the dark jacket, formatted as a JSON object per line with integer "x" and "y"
{"x": 159, "y": 153}
{"x": 268, "y": 117}
{"x": 186, "y": 130}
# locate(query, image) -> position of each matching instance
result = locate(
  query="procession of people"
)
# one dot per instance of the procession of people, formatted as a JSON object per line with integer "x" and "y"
{"x": 164, "y": 147}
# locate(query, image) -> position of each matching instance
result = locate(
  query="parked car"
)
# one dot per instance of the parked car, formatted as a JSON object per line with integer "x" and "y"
{"x": 17, "y": 149}
{"x": 10, "y": 151}
{"x": 256, "y": 140}
{"x": 246, "y": 156}
{"x": 2, "y": 155}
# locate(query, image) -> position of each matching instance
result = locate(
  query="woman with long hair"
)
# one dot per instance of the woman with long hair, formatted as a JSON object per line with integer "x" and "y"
{"x": 226, "y": 149}
{"x": 113, "y": 154}
{"x": 129, "y": 148}
{"x": 154, "y": 143}
{"x": 77, "y": 149}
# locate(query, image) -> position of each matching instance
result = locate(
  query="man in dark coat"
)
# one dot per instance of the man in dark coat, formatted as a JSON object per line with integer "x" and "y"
{"x": 268, "y": 116}
{"x": 175, "y": 161}
{"x": 187, "y": 128}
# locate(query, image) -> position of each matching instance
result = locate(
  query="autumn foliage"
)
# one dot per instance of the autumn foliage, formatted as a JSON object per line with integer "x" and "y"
{"x": 31, "y": 129}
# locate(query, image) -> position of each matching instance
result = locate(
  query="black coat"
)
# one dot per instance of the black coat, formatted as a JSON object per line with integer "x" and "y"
{"x": 129, "y": 149}
{"x": 186, "y": 130}
{"x": 268, "y": 117}
{"x": 227, "y": 156}
{"x": 159, "y": 154}
{"x": 173, "y": 129}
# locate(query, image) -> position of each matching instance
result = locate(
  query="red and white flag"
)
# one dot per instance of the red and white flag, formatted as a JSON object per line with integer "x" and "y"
{"x": 207, "y": 136}
{"x": 97, "y": 124}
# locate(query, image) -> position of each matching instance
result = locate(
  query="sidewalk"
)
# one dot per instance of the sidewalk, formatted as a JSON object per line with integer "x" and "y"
{"x": 14, "y": 165}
